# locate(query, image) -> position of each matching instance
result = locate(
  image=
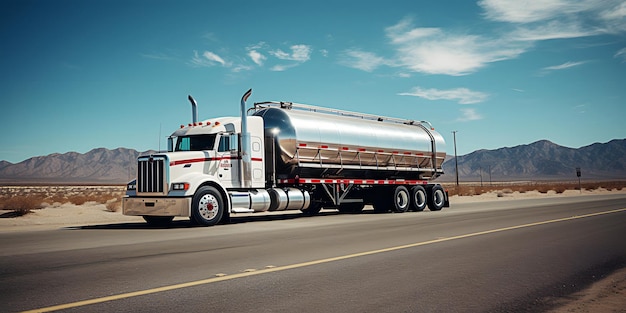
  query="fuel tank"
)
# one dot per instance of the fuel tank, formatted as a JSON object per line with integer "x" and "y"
{"x": 314, "y": 141}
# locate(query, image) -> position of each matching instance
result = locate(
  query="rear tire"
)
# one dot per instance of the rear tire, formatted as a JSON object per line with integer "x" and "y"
{"x": 207, "y": 206}
{"x": 437, "y": 198}
{"x": 401, "y": 199}
{"x": 418, "y": 198}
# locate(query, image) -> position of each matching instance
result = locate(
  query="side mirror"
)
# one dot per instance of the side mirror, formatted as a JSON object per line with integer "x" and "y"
{"x": 233, "y": 142}
{"x": 170, "y": 144}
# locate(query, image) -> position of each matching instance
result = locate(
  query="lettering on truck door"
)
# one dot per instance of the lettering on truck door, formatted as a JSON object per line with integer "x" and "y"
{"x": 228, "y": 163}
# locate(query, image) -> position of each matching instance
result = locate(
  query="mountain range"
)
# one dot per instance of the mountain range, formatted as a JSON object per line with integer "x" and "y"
{"x": 541, "y": 160}
{"x": 102, "y": 166}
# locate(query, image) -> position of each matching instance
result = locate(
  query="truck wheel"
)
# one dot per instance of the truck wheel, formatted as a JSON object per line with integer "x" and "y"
{"x": 436, "y": 198}
{"x": 207, "y": 207}
{"x": 401, "y": 199}
{"x": 158, "y": 220}
{"x": 314, "y": 208}
{"x": 418, "y": 198}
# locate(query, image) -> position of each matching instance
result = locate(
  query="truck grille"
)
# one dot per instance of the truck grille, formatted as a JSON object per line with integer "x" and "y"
{"x": 151, "y": 175}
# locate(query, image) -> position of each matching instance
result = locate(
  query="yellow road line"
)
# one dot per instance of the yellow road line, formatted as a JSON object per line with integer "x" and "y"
{"x": 304, "y": 264}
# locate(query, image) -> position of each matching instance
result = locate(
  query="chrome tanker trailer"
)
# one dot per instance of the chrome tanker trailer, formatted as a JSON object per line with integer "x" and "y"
{"x": 287, "y": 156}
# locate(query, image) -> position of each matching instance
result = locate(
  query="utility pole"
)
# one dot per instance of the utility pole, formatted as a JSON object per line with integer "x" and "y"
{"x": 578, "y": 174}
{"x": 456, "y": 163}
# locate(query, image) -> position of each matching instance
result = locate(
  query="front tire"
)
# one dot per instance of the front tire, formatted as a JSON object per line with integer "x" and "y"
{"x": 207, "y": 207}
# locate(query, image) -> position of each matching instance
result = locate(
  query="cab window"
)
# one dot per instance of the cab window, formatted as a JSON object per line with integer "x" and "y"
{"x": 195, "y": 143}
{"x": 224, "y": 144}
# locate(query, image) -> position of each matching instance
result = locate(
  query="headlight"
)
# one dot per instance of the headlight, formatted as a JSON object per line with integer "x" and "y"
{"x": 132, "y": 185}
{"x": 180, "y": 186}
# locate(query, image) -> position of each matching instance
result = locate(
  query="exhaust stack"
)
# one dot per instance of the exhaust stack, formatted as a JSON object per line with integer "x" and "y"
{"x": 194, "y": 109}
{"x": 246, "y": 158}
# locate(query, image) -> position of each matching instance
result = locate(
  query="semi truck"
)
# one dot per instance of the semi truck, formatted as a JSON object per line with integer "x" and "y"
{"x": 279, "y": 156}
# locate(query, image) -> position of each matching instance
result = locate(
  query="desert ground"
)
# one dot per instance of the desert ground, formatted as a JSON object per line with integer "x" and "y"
{"x": 37, "y": 208}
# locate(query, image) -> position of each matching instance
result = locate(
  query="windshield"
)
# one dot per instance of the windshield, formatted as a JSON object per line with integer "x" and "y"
{"x": 195, "y": 143}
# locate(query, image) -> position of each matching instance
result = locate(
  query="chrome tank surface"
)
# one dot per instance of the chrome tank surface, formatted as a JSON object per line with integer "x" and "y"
{"x": 307, "y": 142}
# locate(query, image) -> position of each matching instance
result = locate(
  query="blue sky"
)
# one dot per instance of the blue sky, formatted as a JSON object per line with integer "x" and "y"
{"x": 79, "y": 75}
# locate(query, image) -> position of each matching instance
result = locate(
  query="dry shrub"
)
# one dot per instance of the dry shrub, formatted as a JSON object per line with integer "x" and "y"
{"x": 78, "y": 199}
{"x": 113, "y": 205}
{"x": 56, "y": 198}
{"x": 21, "y": 205}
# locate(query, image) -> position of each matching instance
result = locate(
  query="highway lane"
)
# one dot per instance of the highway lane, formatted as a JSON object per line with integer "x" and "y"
{"x": 492, "y": 256}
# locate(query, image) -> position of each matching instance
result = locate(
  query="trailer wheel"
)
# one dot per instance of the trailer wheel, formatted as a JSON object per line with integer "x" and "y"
{"x": 418, "y": 198}
{"x": 401, "y": 199}
{"x": 436, "y": 199}
{"x": 158, "y": 220}
{"x": 207, "y": 207}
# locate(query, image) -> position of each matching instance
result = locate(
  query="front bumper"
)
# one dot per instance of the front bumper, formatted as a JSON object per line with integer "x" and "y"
{"x": 165, "y": 206}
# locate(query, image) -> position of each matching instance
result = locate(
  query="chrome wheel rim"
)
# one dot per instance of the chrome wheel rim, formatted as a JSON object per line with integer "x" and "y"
{"x": 208, "y": 206}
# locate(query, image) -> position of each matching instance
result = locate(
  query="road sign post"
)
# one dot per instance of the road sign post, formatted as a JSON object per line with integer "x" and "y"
{"x": 578, "y": 174}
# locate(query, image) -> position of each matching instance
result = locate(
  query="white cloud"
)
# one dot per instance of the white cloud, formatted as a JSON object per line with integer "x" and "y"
{"x": 257, "y": 57}
{"x": 461, "y": 95}
{"x": 617, "y": 12}
{"x": 553, "y": 30}
{"x": 563, "y": 66}
{"x": 241, "y": 67}
{"x": 469, "y": 114}
{"x": 299, "y": 53}
{"x": 525, "y": 11}
{"x": 283, "y": 67}
{"x": 259, "y": 54}
{"x": 435, "y": 51}
{"x": 621, "y": 54}
{"x": 365, "y": 61}
{"x": 213, "y": 57}
{"x": 208, "y": 59}
{"x": 558, "y": 19}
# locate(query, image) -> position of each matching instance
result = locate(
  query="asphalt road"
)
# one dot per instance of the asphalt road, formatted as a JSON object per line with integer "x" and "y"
{"x": 502, "y": 256}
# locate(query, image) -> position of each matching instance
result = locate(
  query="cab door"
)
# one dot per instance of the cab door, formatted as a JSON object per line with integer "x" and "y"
{"x": 228, "y": 169}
